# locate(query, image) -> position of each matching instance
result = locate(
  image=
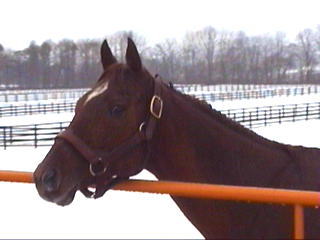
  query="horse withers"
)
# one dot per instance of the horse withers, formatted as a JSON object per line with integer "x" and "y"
{"x": 131, "y": 121}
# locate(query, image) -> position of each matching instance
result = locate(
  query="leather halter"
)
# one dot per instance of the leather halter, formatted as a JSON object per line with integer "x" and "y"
{"x": 100, "y": 160}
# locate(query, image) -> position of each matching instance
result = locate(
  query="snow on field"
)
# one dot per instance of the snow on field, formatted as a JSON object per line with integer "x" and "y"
{"x": 118, "y": 214}
{"x": 294, "y": 133}
{"x": 30, "y": 102}
{"x": 195, "y": 88}
{"x": 247, "y": 103}
{"x": 219, "y": 105}
{"x": 38, "y": 118}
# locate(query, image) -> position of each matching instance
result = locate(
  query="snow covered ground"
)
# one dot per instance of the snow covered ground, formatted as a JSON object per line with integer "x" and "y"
{"x": 219, "y": 105}
{"x": 30, "y": 102}
{"x": 118, "y": 214}
{"x": 270, "y": 101}
{"x": 37, "y": 118}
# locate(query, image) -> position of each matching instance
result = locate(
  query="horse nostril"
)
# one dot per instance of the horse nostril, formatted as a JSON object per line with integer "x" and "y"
{"x": 50, "y": 180}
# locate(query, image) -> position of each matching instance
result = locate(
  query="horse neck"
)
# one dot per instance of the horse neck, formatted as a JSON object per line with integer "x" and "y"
{"x": 192, "y": 145}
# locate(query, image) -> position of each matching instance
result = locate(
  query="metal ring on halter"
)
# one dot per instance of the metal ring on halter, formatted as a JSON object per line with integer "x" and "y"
{"x": 142, "y": 125}
{"x": 93, "y": 173}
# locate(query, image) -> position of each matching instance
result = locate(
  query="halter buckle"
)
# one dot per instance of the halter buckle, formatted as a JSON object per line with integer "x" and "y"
{"x": 156, "y": 100}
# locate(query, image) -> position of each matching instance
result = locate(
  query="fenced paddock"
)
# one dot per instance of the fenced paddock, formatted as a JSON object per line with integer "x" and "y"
{"x": 37, "y": 135}
{"x": 43, "y": 94}
{"x": 205, "y": 92}
{"x": 238, "y": 87}
{"x": 39, "y": 108}
{"x": 255, "y": 94}
{"x": 68, "y": 106}
{"x": 267, "y": 115}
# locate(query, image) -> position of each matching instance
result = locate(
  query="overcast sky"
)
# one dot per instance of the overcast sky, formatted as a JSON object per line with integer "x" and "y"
{"x": 22, "y": 21}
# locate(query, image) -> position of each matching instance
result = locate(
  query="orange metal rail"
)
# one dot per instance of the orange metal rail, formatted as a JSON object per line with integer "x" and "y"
{"x": 210, "y": 191}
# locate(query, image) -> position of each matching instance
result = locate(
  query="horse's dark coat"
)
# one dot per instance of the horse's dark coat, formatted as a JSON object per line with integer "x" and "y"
{"x": 191, "y": 143}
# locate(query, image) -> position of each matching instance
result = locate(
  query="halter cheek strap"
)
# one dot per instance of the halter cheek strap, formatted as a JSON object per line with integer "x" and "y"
{"x": 100, "y": 160}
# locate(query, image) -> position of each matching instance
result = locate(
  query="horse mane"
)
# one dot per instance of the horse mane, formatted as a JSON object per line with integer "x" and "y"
{"x": 222, "y": 118}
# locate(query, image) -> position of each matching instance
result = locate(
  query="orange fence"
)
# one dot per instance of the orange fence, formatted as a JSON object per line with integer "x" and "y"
{"x": 210, "y": 191}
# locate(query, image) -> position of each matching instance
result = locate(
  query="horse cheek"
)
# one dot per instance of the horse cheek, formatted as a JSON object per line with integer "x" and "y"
{"x": 131, "y": 164}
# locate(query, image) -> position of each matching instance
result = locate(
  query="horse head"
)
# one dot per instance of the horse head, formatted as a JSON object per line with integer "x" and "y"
{"x": 108, "y": 139}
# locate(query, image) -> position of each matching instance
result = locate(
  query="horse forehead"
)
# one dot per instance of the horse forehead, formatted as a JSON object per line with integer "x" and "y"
{"x": 97, "y": 91}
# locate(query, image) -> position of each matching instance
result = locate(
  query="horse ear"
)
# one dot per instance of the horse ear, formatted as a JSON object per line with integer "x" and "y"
{"x": 132, "y": 56}
{"x": 107, "y": 57}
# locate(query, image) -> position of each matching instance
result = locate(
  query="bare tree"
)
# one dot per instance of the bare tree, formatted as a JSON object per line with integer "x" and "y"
{"x": 191, "y": 58}
{"x": 45, "y": 53}
{"x": 205, "y": 56}
{"x": 223, "y": 58}
{"x": 33, "y": 64}
{"x": 2, "y": 63}
{"x": 207, "y": 40}
{"x": 89, "y": 66}
{"x": 67, "y": 51}
{"x": 306, "y": 40}
{"x": 118, "y": 43}
{"x": 168, "y": 53}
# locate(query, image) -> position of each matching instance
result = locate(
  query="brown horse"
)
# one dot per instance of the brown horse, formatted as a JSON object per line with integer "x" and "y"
{"x": 131, "y": 121}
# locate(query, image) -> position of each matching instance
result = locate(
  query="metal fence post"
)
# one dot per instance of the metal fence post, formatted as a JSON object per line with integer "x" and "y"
{"x": 265, "y": 117}
{"x": 298, "y": 222}
{"x": 35, "y": 136}
{"x": 279, "y": 112}
{"x": 10, "y": 135}
{"x": 4, "y": 138}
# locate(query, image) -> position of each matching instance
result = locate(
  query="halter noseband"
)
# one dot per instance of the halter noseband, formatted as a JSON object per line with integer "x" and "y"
{"x": 99, "y": 160}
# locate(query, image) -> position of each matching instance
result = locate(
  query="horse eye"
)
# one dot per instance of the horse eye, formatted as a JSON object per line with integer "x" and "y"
{"x": 116, "y": 111}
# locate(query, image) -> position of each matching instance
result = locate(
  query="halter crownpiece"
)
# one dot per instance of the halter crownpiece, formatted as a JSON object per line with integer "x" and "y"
{"x": 99, "y": 161}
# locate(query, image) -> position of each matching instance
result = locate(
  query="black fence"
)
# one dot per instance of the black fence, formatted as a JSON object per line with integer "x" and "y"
{"x": 263, "y": 116}
{"x": 43, "y": 108}
{"x": 255, "y": 94}
{"x": 34, "y": 135}
{"x": 239, "y": 87}
{"x": 40, "y": 108}
{"x": 37, "y": 135}
{"x": 43, "y": 94}
{"x": 208, "y": 92}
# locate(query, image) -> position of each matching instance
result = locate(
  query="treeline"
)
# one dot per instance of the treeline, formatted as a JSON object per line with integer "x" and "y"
{"x": 207, "y": 56}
